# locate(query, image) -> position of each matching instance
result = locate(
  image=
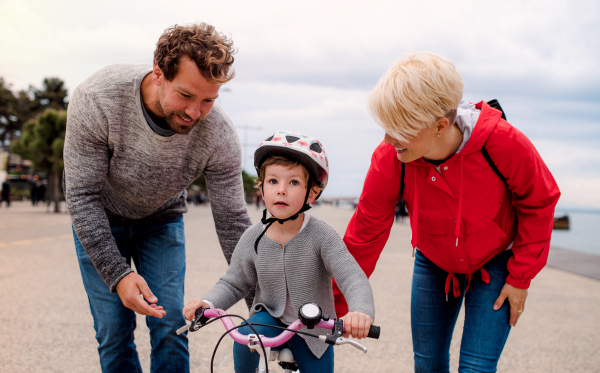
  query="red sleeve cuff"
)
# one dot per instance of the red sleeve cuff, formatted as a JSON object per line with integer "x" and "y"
{"x": 521, "y": 283}
{"x": 341, "y": 307}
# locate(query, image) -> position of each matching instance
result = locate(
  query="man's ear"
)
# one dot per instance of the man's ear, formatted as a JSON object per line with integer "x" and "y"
{"x": 157, "y": 75}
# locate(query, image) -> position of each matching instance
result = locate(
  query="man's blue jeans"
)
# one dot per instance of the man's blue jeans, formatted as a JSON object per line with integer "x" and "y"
{"x": 433, "y": 318}
{"x": 158, "y": 251}
{"x": 247, "y": 362}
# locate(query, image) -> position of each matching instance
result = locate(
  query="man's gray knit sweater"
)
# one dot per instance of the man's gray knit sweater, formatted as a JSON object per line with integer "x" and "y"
{"x": 117, "y": 169}
{"x": 303, "y": 266}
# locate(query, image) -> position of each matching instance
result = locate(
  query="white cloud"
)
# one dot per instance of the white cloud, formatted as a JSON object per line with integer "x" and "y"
{"x": 579, "y": 191}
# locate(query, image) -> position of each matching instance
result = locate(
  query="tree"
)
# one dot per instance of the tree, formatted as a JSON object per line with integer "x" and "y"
{"x": 249, "y": 182}
{"x": 17, "y": 109}
{"x": 52, "y": 96}
{"x": 8, "y": 111}
{"x": 42, "y": 141}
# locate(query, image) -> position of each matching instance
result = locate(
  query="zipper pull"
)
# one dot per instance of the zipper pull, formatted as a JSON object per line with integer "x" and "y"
{"x": 281, "y": 246}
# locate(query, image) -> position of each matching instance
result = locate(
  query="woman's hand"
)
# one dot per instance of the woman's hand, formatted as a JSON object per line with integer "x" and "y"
{"x": 189, "y": 311}
{"x": 357, "y": 324}
{"x": 516, "y": 298}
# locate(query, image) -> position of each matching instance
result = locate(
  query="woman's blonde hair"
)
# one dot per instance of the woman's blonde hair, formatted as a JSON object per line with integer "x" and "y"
{"x": 414, "y": 92}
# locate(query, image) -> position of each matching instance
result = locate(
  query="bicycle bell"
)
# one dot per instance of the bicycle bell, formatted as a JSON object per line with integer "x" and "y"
{"x": 310, "y": 314}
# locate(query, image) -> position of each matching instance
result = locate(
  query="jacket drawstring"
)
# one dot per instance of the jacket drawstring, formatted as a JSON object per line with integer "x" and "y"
{"x": 455, "y": 287}
{"x": 485, "y": 276}
{"x": 415, "y": 221}
{"x": 460, "y": 195}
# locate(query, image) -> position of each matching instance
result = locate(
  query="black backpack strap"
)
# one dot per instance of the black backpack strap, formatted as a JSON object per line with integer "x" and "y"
{"x": 402, "y": 180}
{"x": 487, "y": 157}
{"x": 496, "y": 105}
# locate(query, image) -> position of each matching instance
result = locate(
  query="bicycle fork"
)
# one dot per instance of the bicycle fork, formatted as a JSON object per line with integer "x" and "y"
{"x": 285, "y": 356}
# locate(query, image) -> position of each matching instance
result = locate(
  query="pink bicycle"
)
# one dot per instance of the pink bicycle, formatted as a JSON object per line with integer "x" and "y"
{"x": 310, "y": 316}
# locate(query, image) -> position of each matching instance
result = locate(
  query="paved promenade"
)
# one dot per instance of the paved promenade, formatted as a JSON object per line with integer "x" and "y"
{"x": 46, "y": 326}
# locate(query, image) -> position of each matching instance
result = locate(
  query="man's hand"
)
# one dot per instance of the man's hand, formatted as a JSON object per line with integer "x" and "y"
{"x": 357, "y": 324}
{"x": 516, "y": 298}
{"x": 134, "y": 292}
{"x": 189, "y": 311}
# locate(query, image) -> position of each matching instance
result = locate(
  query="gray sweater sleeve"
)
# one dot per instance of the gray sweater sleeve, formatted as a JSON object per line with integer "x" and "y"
{"x": 86, "y": 156}
{"x": 239, "y": 278}
{"x": 350, "y": 278}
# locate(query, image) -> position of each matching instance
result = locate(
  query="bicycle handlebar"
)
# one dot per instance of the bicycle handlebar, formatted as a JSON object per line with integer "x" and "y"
{"x": 203, "y": 315}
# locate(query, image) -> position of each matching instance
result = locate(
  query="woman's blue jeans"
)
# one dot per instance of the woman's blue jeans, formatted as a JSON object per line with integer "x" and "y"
{"x": 247, "y": 362}
{"x": 158, "y": 251}
{"x": 433, "y": 318}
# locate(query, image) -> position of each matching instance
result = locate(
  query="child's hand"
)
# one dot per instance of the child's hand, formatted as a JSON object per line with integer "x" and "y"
{"x": 189, "y": 311}
{"x": 357, "y": 324}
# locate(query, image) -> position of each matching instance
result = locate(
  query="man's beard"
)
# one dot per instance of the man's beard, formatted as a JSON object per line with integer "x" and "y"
{"x": 174, "y": 124}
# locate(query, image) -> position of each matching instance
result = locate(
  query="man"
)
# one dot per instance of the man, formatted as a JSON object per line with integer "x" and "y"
{"x": 137, "y": 136}
{"x": 6, "y": 192}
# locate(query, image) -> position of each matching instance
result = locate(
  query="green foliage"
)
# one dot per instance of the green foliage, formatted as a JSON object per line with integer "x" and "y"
{"x": 8, "y": 112}
{"x": 42, "y": 141}
{"x": 52, "y": 95}
{"x": 18, "y": 108}
{"x": 249, "y": 181}
{"x": 201, "y": 182}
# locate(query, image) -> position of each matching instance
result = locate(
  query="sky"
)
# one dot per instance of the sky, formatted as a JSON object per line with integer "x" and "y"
{"x": 309, "y": 66}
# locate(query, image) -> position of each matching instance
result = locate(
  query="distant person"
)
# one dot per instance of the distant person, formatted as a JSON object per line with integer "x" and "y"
{"x": 137, "y": 137}
{"x": 34, "y": 194}
{"x": 6, "y": 192}
{"x": 477, "y": 234}
{"x": 400, "y": 211}
{"x": 258, "y": 199}
{"x": 200, "y": 198}
{"x": 41, "y": 192}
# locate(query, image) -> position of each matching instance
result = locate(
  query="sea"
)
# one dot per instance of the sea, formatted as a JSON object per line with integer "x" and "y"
{"x": 583, "y": 235}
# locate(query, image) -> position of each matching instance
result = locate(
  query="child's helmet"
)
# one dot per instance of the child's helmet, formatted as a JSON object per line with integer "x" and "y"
{"x": 297, "y": 146}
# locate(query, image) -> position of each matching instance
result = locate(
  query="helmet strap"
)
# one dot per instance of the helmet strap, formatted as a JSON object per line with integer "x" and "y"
{"x": 268, "y": 222}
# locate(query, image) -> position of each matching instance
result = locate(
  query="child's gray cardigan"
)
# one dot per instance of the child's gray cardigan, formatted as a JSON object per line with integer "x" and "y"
{"x": 304, "y": 265}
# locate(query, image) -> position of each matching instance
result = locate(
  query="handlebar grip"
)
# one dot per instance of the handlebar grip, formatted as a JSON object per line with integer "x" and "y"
{"x": 374, "y": 332}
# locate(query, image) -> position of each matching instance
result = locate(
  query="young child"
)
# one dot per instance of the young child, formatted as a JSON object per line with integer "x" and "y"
{"x": 291, "y": 262}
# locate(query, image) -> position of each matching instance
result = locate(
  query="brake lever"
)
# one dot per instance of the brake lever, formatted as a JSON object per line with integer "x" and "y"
{"x": 343, "y": 341}
{"x": 196, "y": 324}
{"x": 183, "y": 329}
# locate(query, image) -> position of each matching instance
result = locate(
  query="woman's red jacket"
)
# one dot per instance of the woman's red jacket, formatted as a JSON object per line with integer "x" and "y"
{"x": 464, "y": 214}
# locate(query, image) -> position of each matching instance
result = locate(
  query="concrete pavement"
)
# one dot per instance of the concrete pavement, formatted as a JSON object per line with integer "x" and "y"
{"x": 46, "y": 326}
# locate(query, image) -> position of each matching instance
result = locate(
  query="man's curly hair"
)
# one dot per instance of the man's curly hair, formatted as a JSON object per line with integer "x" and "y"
{"x": 211, "y": 50}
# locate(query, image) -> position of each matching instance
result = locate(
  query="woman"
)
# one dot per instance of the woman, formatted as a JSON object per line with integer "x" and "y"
{"x": 480, "y": 227}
